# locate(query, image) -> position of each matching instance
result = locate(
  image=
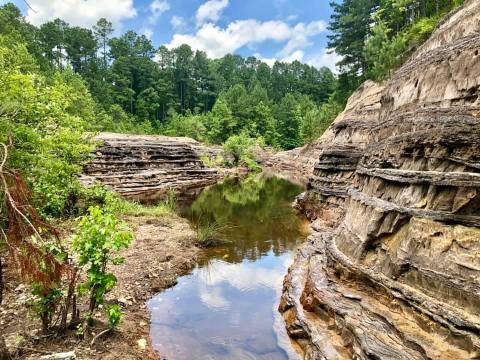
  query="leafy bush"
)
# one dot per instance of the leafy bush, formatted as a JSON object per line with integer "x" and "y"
{"x": 109, "y": 201}
{"x": 114, "y": 315}
{"x": 44, "y": 304}
{"x": 46, "y": 122}
{"x": 241, "y": 149}
{"x": 186, "y": 125}
{"x": 212, "y": 162}
{"x": 98, "y": 238}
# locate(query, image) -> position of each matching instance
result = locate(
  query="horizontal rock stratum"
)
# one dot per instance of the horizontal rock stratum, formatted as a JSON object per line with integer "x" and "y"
{"x": 144, "y": 168}
{"x": 392, "y": 268}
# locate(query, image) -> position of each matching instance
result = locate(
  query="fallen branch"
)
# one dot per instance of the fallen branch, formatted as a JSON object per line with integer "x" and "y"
{"x": 99, "y": 335}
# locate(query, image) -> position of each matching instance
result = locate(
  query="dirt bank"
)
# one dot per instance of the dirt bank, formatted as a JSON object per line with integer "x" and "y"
{"x": 163, "y": 250}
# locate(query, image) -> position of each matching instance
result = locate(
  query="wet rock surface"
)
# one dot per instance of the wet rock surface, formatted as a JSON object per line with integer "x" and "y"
{"x": 392, "y": 269}
{"x": 144, "y": 168}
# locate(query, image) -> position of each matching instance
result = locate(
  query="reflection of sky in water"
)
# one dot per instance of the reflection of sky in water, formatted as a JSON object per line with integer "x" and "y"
{"x": 223, "y": 311}
{"x": 227, "y": 307}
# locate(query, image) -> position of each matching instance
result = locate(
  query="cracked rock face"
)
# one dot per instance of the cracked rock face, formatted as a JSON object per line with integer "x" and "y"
{"x": 144, "y": 168}
{"x": 392, "y": 268}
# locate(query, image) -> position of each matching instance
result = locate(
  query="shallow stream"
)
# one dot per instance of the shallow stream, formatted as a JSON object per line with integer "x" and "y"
{"x": 227, "y": 307}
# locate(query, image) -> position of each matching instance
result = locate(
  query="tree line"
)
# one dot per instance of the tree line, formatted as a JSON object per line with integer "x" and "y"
{"x": 181, "y": 91}
{"x": 374, "y": 37}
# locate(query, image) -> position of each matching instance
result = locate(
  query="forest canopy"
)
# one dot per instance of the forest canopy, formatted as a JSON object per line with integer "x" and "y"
{"x": 374, "y": 37}
{"x": 180, "y": 91}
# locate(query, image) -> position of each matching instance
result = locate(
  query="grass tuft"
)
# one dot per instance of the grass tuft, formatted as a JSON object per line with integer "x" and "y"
{"x": 210, "y": 234}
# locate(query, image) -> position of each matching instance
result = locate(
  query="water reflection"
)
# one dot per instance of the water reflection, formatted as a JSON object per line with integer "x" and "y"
{"x": 227, "y": 308}
{"x": 255, "y": 213}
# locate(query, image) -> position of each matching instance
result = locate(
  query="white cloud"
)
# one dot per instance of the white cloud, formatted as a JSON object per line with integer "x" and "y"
{"x": 244, "y": 277}
{"x": 210, "y": 11}
{"x": 213, "y": 298}
{"x": 157, "y": 8}
{"x": 268, "y": 61}
{"x": 217, "y": 41}
{"x": 80, "y": 12}
{"x": 301, "y": 34}
{"x": 294, "y": 56}
{"x": 178, "y": 23}
{"x": 327, "y": 57}
{"x": 148, "y": 33}
{"x": 292, "y": 17}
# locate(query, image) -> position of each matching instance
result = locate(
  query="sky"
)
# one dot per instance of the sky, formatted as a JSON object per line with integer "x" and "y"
{"x": 284, "y": 30}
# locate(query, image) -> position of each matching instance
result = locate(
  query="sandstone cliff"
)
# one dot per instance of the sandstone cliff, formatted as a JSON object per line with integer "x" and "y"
{"x": 392, "y": 269}
{"x": 143, "y": 168}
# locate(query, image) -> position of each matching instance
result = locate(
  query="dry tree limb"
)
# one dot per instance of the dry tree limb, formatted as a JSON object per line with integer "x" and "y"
{"x": 30, "y": 7}
{"x": 99, "y": 335}
{"x": 26, "y": 237}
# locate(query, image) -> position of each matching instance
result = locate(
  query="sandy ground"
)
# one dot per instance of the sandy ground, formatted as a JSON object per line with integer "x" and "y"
{"x": 163, "y": 250}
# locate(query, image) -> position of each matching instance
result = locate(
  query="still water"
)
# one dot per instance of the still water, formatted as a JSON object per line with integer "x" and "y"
{"x": 227, "y": 307}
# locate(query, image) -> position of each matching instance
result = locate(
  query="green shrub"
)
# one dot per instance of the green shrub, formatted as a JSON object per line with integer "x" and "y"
{"x": 241, "y": 149}
{"x": 44, "y": 304}
{"x": 46, "y": 121}
{"x": 98, "y": 238}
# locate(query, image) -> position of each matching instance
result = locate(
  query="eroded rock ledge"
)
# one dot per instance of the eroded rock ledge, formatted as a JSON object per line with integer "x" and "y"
{"x": 143, "y": 168}
{"x": 392, "y": 268}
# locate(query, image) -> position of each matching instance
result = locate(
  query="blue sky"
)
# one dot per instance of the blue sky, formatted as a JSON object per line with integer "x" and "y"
{"x": 272, "y": 30}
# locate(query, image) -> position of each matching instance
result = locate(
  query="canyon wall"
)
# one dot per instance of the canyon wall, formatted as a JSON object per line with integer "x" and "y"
{"x": 392, "y": 268}
{"x": 144, "y": 168}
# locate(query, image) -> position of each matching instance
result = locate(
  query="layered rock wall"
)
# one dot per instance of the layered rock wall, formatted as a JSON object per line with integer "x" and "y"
{"x": 144, "y": 168}
{"x": 392, "y": 270}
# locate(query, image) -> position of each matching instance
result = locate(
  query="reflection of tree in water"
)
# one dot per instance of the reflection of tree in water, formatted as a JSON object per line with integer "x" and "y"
{"x": 255, "y": 215}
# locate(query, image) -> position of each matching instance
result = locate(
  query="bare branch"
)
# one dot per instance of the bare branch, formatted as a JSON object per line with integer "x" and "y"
{"x": 26, "y": 2}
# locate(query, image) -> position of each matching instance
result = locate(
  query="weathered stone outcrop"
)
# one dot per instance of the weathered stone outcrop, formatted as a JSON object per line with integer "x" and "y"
{"x": 144, "y": 168}
{"x": 392, "y": 269}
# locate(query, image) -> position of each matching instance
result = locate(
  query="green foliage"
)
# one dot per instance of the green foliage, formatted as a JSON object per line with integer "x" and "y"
{"x": 171, "y": 200}
{"x": 98, "y": 238}
{"x": 114, "y": 315}
{"x": 315, "y": 120}
{"x": 213, "y": 162}
{"x": 220, "y": 122}
{"x": 374, "y": 37}
{"x": 241, "y": 149}
{"x": 46, "y": 120}
{"x": 45, "y": 303}
{"x": 287, "y": 123}
{"x": 179, "y": 92}
{"x": 186, "y": 125}
{"x": 111, "y": 202}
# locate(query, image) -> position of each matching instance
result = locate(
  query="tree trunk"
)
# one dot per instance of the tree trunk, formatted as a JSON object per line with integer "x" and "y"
{"x": 45, "y": 318}
{"x": 4, "y": 354}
